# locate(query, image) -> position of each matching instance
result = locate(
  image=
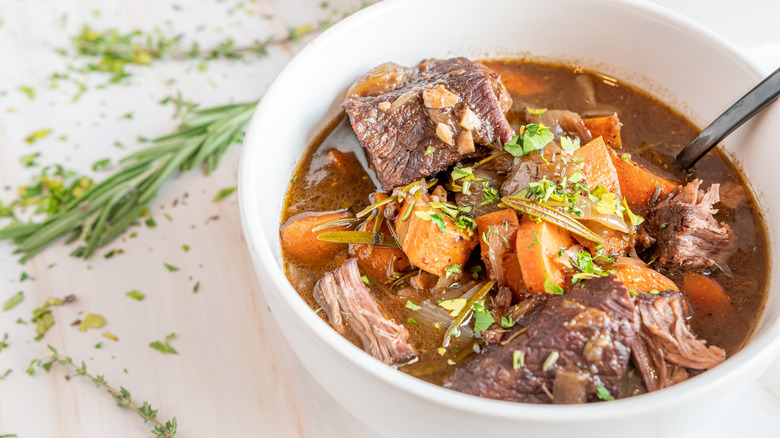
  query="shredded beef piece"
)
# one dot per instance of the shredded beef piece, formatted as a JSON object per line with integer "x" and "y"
{"x": 589, "y": 328}
{"x": 341, "y": 293}
{"x": 682, "y": 234}
{"x": 417, "y": 121}
{"x": 665, "y": 345}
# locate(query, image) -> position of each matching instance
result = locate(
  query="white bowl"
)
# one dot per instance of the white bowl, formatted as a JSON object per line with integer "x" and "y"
{"x": 675, "y": 59}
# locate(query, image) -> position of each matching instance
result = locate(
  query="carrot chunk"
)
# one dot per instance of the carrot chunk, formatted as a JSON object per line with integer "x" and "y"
{"x": 430, "y": 239}
{"x": 376, "y": 261}
{"x": 538, "y": 246}
{"x": 706, "y": 295}
{"x": 638, "y": 184}
{"x": 597, "y": 167}
{"x": 607, "y": 128}
{"x": 299, "y": 240}
{"x": 644, "y": 279}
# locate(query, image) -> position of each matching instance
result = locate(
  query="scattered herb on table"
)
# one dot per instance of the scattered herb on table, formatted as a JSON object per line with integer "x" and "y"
{"x": 122, "y": 396}
{"x": 13, "y": 301}
{"x": 136, "y": 295}
{"x": 164, "y": 347}
{"x": 224, "y": 193}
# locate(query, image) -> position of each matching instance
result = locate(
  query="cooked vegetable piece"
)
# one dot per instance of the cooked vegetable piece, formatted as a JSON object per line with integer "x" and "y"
{"x": 430, "y": 239}
{"x": 501, "y": 227}
{"x": 638, "y": 184}
{"x": 597, "y": 166}
{"x": 300, "y": 243}
{"x": 378, "y": 262}
{"x": 607, "y": 128}
{"x": 643, "y": 279}
{"x": 538, "y": 246}
{"x": 706, "y": 295}
{"x": 614, "y": 242}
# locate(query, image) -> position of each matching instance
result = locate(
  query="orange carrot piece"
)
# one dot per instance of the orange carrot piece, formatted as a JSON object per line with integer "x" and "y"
{"x": 643, "y": 279}
{"x": 607, "y": 128}
{"x": 638, "y": 184}
{"x": 538, "y": 245}
{"x": 597, "y": 166}
{"x": 706, "y": 295}
{"x": 513, "y": 275}
{"x": 378, "y": 262}
{"x": 428, "y": 246}
{"x": 299, "y": 241}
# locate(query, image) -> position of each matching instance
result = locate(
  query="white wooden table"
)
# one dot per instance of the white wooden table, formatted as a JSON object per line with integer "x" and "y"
{"x": 234, "y": 375}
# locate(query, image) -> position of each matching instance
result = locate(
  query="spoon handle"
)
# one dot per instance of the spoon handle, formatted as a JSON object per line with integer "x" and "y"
{"x": 749, "y": 105}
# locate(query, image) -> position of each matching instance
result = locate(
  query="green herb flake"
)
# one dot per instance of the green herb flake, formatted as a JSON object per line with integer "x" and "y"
{"x": 570, "y": 145}
{"x": 549, "y": 363}
{"x": 164, "y": 347}
{"x": 439, "y": 220}
{"x": 507, "y": 322}
{"x": 92, "y": 320}
{"x": 603, "y": 393}
{"x": 412, "y": 306}
{"x": 518, "y": 359}
{"x": 109, "y": 335}
{"x": 535, "y": 111}
{"x": 411, "y": 320}
{"x": 533, "y": 138}
{"x": 13, "y": 301}
{"x": 101, "y": 165}
{"x": 536, "y": 241}
{"x": 185, "y": 248}
{"x": 626, "y": 157}
{"x": 29, "y": 160}
{"x": 99, "y": 345}
{"x": 482, "y": 318}
{"x": 550, "y": 287}
{"x": 170, "y": 268}
{"x": 136, "y": 295}
{"x": 29, "y": 91}
{"x": 452, "y": 270}
{"x": 224, "y": 193}
{"x": 37, "y": 135}
{"x": 24, "y": 276}
{"x": 429, "y": 150}
{"x": 365, "y": 279}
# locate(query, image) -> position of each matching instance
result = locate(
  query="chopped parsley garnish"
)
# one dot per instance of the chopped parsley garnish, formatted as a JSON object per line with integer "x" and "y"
{"x": 489, "y": 194}
{"x": 438, "y": 220}
{"x": 454, "y": 305}
{"x": 550, "y": 287}
{"x": 482, "y": 318}
{"x": 411, "y": 320}
{"x": 535, "y": 111}
{"x": 37, "y": 135}
{"x": 452, "y": 270}
{"x": 549, "y": 363}
{"x": 170, "y": 268}
{"x": 365, "y": 279}
{"x": 535, "y": 241}
{"x": 507, "y": 322}
{"x": 603, "y": 393}
{"x": 429, "y": 150}
{"x": 164, "y": 347}
{"x": 570, "y": 145}
{"x": 625, "y": 157}
{"x": 533, "y": 137}
{"x": 475, "y": 270}
{"x": 412, "y": 306}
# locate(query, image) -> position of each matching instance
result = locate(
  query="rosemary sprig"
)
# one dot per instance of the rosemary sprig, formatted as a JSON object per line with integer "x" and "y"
{"x": 121, "y": 395}
{"x": 108, "y": 208}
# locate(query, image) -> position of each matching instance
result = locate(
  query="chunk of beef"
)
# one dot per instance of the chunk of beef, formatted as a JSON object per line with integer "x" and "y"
{"x": 665, "y": 346}
{"x": 571, "y": 344}
{"x": 683, "y": 235}
{"x": 342, "y": 295}
{"x": 417, "y": 121}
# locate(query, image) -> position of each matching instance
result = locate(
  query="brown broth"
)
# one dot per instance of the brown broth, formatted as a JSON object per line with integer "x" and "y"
{"x": 651, "y": 133}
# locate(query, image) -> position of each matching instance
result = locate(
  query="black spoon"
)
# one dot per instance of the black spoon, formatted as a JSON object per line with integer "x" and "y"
{"x": 748, "y": 106}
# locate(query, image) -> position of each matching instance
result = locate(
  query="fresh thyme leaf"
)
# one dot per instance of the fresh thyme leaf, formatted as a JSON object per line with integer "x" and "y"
{"x": 92, "y": 320}
{"x": 550, "y": 287}
{"x": 224, "y": 193}
{"x": 170, "y": 268}
{"x": 99, "y": 213}
{"x": 37, "y": 135}
{"x": 507, "y": 322}
{"x": 136, "y": 295}
{"x": 13, "y": 301}
{"x": 121, "y": 396}
{"x": 164, "y": 347}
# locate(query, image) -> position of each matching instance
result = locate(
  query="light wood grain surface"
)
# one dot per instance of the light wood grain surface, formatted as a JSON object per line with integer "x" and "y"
{"x": 234, "y": 375}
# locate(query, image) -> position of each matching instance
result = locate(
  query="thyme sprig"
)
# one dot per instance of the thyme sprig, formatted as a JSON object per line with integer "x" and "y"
{"x": 121, "y": 396}
{"x": 105, "y": 210}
